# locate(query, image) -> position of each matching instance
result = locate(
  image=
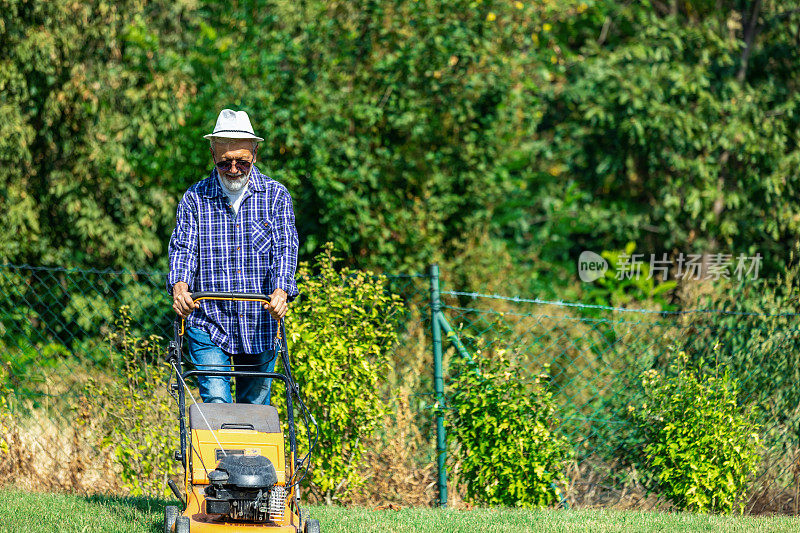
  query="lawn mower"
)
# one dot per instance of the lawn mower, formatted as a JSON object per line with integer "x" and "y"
{"x": 238, "y": 477}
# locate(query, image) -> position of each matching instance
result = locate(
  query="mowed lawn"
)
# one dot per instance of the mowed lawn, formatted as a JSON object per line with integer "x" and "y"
{"x": 32, "y": 513}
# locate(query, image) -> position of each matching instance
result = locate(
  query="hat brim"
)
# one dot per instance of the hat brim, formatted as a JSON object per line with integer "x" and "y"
{"x": 233, "y": 135}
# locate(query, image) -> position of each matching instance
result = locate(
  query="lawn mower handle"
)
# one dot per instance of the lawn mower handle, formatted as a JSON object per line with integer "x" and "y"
{"x": 210, "y": 295}
{"x": 174, "y": 357}
{"x": 240, "y": 296}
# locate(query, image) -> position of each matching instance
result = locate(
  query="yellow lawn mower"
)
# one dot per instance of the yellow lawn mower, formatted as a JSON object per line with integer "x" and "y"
{"x": 238, "y": 477}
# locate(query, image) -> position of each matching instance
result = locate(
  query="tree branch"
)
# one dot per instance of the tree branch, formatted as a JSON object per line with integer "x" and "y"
{"x": 604, "y": 31}
{"x": 749, "y": 38}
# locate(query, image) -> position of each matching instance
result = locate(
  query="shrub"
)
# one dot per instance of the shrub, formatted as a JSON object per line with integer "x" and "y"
{"x": 761, "y": 352}
{"x": 137, "y": 421}
{"x": 508, "y": 449}
{"x": 341, "y": 331}
{"x": 701, "y": 445}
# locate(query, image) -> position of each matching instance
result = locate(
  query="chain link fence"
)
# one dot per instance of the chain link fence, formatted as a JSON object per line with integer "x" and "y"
{"x": 594, "y": 358}
{"x": 54, "y": 323}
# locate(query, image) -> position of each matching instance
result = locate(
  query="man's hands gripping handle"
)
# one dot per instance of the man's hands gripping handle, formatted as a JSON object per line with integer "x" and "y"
{"x": 184, "y": 302}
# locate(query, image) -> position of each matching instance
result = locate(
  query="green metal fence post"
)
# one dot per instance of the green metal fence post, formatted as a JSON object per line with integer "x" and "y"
{"x": 438, "y": 384}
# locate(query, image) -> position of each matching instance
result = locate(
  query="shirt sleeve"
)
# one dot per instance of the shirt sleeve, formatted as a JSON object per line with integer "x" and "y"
{"x": 286, "y": 242}
{"x": 183, "y": 246}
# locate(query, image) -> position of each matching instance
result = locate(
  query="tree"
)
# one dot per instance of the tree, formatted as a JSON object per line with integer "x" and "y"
{"x": 89, "y": 88}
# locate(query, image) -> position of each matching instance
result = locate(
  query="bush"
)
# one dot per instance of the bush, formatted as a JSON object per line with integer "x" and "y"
{"x": 761, "y": 352}
{"x": 509, "y": 452}
{"x": 341, "y": 331}
{"x": 137, "y": 421}
{"x": 701, "y": 446}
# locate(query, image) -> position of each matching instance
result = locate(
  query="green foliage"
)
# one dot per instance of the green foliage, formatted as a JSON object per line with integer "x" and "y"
{"x": 341, "y": 331}
{"x": 26, "y": 350}
{"x": 55, "y": 316}
{"x": 388, "y": 121}
{"x": 407, "y": 130}
{"x": 662, "y": 145}
{"x": 762, "y": 353}
{"x": 622, "y": 284}
{"x": 89, "y": 308}
{"x": 508, "y": 449}
{"x": 131, "y": 414}
{"x": 90, "y": 89}
{"x": 701, "y": 445}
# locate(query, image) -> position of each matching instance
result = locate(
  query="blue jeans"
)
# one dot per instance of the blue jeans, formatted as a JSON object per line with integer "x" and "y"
{"x": 205, "y": 355}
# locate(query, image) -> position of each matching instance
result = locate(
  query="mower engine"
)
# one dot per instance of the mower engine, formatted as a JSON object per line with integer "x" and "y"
{"x": 244, "y": 487}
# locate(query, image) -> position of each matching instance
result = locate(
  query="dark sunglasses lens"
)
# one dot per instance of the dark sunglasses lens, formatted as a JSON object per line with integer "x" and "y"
{"x": 225, "y": 166}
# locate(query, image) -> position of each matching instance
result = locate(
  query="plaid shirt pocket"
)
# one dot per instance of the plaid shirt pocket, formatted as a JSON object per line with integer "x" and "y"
{"x": 261, "y": 238}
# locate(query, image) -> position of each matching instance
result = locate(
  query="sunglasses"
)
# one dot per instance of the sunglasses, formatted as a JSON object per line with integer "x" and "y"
{"x": 227, "y": 165}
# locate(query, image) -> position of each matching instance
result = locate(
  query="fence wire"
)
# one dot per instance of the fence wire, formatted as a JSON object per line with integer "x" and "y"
{"x": 55, "y": 328}
{"x": 54, "y": 323}
{"x": 594, "y": 358}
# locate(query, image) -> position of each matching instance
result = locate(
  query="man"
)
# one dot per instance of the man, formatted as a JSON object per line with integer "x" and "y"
{"x": 234, "y": 232}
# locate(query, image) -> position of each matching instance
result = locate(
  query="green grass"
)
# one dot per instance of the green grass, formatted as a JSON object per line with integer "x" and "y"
{"x": 33, "y": 513}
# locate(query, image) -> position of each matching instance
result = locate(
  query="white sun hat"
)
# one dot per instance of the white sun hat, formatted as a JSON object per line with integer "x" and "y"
{"x": 233, "y": 125}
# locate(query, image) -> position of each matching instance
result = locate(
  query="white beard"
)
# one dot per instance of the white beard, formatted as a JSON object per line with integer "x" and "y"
{"x": 234, "y": 185}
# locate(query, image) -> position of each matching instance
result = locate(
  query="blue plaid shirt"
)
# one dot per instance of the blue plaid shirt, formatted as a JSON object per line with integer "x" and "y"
{"x": 213, "y": 249}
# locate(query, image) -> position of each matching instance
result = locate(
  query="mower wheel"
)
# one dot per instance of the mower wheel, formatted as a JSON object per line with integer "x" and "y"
{"x": 182, "y": 525}
{"x": 170, "y": 516}
{"x": 312, "y": 526}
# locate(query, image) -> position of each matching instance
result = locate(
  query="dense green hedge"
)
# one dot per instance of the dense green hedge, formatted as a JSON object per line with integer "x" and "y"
{"x": 481, "y": 134}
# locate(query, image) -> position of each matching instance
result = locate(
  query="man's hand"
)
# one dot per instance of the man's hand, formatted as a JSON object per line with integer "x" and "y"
{"x": 277, "y": 305}
{"x": 182, "y": 301}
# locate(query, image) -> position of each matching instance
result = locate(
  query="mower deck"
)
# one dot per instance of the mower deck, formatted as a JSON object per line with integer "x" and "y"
{"x": 202, "y": 522}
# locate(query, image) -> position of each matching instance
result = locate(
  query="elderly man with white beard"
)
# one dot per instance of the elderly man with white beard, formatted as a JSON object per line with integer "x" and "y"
{"x": 234, "y": 232}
